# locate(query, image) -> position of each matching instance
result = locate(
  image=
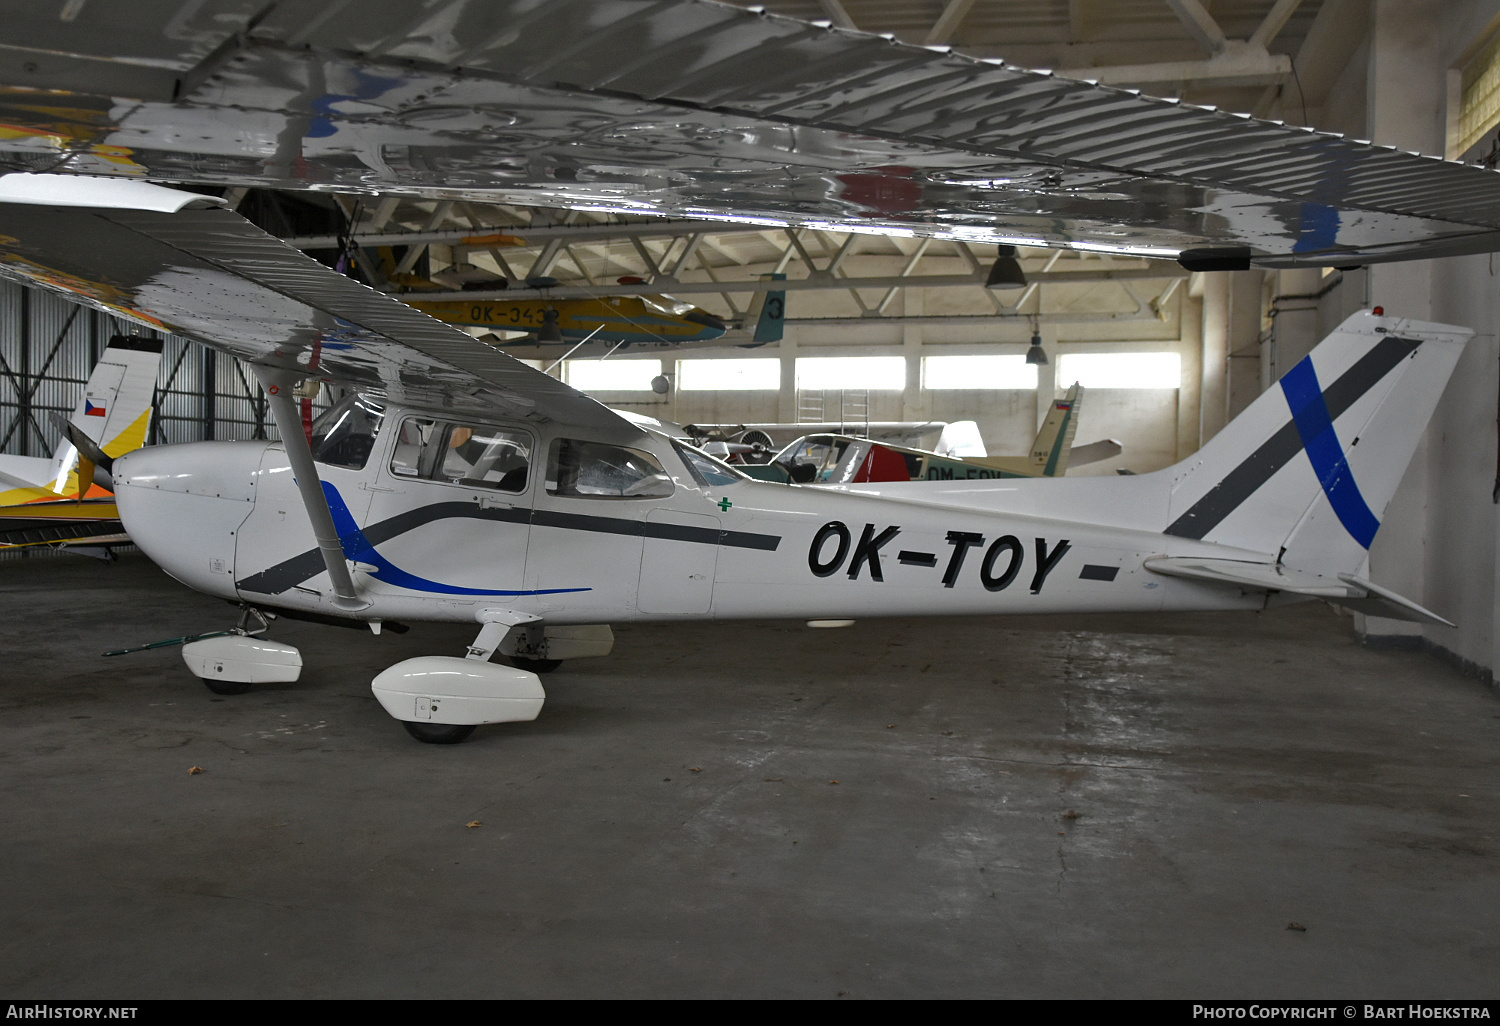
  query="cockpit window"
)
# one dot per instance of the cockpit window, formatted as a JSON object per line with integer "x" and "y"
{"x": 823, "y": 452}
{"x": 706, "y": 470}
{"x": 472, "y": 455}
{"x": 596, "y": 470}
{"x": 345, "y": 434}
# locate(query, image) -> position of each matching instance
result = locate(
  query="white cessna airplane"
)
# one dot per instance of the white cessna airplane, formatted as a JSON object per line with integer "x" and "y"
{"x": 458, "y": 484}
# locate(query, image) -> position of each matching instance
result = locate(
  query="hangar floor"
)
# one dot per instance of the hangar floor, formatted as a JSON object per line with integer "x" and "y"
{"x": 748, "y": 809}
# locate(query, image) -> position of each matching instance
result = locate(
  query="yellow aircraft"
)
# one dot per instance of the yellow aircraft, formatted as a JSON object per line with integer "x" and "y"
{"x": 65, "y": 501}
{"x": 629, "y": 320}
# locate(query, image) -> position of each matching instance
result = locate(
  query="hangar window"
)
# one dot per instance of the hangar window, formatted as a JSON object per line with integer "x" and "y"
{"x": 462, "y": 454}
{"x": 344, "y": 435}
{"x": 611, "y": 375}
{"x": 596, "y": 470}
{"x": 729, "y": 375}
{"x": 1479, "y": 105}
{"x": 1120, "y": 370}
{"x": 996, "y": 372}
{"x": 876, "y": 373}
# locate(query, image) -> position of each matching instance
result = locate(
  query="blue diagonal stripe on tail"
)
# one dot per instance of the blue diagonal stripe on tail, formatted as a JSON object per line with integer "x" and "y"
{"x": 1315, "y": 427}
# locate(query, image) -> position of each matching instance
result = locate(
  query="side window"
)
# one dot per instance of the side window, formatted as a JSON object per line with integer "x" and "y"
{"x": 475, "y": 456}
{"x": 344, "y": 435}
{"x": 596, "y": 470}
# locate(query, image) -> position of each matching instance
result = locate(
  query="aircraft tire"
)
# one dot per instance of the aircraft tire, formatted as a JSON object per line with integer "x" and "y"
{"x": 535, "y": 665}
{"x": 438, "y": 733}
{"x": 225, "y": 687}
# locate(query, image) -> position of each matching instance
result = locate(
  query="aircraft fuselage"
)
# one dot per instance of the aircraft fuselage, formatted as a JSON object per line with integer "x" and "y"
{"x": 541, "y": 529}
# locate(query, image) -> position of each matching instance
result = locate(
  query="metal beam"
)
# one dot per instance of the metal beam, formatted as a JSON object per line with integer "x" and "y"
{"x": 573, "y": 232}
{"x": 1200, "y": 24}
{"x": 1274, "y": 22}
{"x": 923, "y": 281}
{"x": 948, "y": 22}
{"x": 1241, "y": 64}
{"x": 837, "y": 14}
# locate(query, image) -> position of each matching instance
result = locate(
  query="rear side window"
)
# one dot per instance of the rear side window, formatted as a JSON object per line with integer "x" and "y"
{"x": 597, "y": 470}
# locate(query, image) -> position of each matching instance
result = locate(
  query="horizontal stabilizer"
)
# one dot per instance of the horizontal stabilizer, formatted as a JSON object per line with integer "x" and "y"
{"x": 1346, "y": 589}
{"x": 1107, "y": 449}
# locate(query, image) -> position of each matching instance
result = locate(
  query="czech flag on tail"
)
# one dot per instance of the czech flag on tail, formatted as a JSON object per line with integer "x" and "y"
{"x": 90, "y": 410}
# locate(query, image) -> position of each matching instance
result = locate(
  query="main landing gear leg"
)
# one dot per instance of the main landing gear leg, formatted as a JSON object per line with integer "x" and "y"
{"x": 531, "y": 639}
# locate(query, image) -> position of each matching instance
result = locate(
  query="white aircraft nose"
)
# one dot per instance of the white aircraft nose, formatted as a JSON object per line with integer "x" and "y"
{"x": 183, "y": 504}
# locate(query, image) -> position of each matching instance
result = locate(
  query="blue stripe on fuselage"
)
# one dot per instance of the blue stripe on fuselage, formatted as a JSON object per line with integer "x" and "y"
{"x": 1310, "y": 413}
{"x": 359, "y": 549}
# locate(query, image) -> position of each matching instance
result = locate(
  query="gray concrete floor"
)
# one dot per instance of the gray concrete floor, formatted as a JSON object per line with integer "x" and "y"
{"x": 748, "y": 810}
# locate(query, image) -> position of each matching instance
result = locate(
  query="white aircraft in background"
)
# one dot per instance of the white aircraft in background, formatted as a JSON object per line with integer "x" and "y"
{"x": 457, "y": 484}
{"x": 66, "y": 503}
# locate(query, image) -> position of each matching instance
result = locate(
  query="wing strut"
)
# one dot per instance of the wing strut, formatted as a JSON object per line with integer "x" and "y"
{"x": 279, "y": 385}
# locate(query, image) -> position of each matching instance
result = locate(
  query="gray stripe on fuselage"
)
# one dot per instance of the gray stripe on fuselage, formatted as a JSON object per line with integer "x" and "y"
{"x": 291, "y": 572}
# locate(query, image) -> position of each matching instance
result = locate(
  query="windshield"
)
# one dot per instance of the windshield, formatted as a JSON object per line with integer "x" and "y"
{"x": 822, "y": 452}
{"x": 705, "y": 469}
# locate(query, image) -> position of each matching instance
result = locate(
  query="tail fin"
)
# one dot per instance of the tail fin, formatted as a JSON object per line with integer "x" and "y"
{"x": 768, "y": 313}
{"x": 1307, "y": 470}
{"x": 1049, "y": 453}
{"x": 115, "y": 410}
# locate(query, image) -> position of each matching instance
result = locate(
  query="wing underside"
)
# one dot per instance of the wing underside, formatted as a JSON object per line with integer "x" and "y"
{"x": 697, "y": 109}
{"x": 211, "y": 276}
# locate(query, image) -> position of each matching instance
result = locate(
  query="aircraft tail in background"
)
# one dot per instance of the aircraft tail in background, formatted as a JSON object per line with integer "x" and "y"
{"x": 767, "y": 314}
{"x": 1049, "y": 453}
{"x": 114, "y": 411}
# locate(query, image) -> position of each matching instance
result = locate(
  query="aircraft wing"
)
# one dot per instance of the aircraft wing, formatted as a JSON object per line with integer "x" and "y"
{"x": 179, "y": 262}
{"x": 699, "y": 109}
{"x": 1107, "y": 449}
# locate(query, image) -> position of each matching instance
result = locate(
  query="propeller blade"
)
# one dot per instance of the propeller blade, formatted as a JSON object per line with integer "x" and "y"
{"x": 86, "y": 446}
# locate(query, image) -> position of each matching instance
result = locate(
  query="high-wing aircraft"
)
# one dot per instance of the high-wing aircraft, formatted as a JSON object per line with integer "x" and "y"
{"x": 698, "y": 109}
{"x": 456, "y": 483}
{"x": 849, "y": 459}
{"x": 611, "y": 322}
{"x": 66, "y": 502}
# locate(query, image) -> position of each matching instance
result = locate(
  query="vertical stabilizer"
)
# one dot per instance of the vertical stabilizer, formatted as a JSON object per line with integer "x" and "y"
{"x": 1049, "y": 453}
{"x": 115, "y": 410}
{"x": 1307, "y": 470}
{"x": 767, "y": 313}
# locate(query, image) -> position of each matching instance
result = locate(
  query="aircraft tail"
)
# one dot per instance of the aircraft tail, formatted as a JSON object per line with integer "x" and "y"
{"x": 1306, "y": 471}
{"x": 767, "y": 313}
{"x": 1049, "y": 453}
{"x": 115, "y": 410}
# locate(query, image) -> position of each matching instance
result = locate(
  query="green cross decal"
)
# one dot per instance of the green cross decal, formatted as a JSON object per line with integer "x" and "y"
{"x": 724, "y": 504}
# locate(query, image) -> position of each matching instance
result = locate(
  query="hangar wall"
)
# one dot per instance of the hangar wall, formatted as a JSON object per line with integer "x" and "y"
{"x": 48, "y": 346}
{"x": 1438, "y": 542}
